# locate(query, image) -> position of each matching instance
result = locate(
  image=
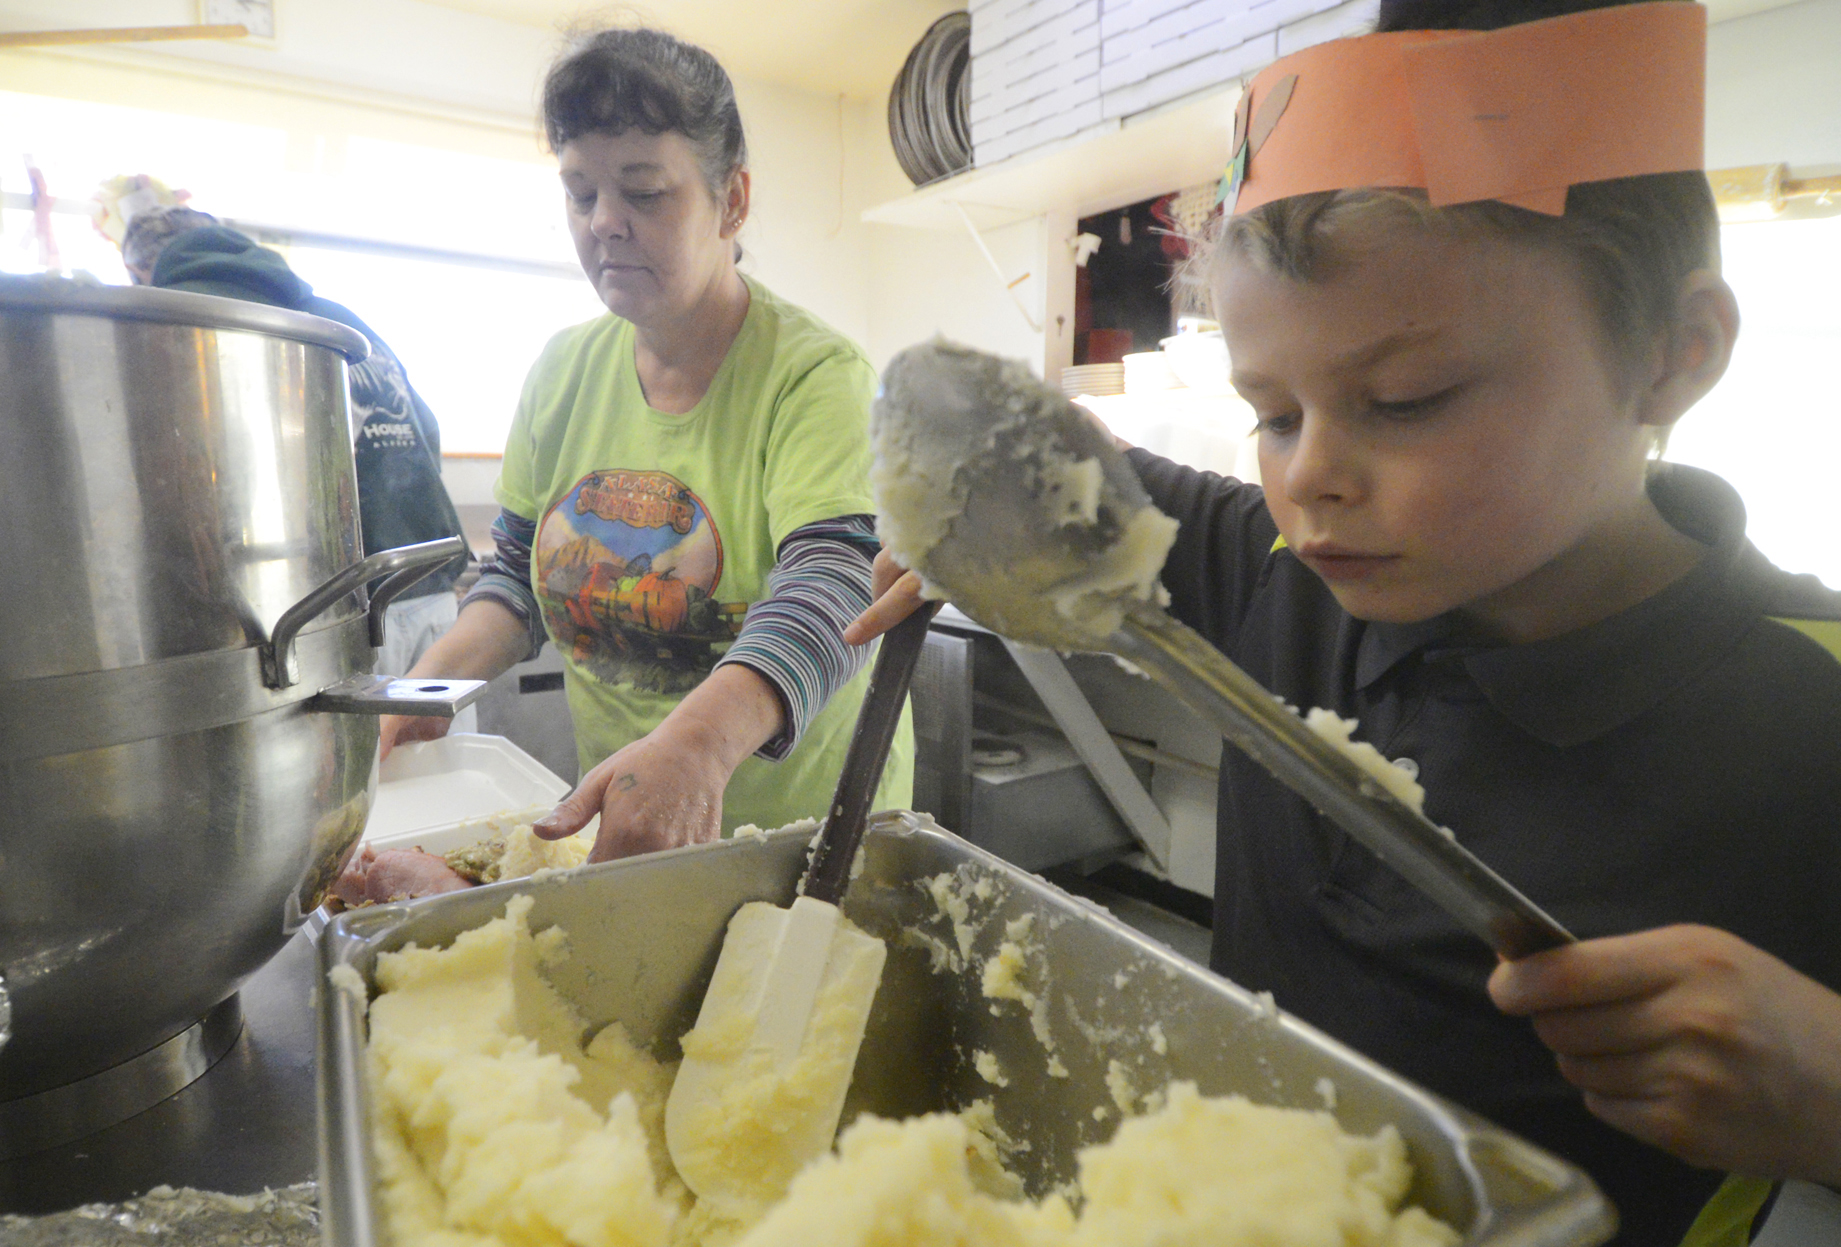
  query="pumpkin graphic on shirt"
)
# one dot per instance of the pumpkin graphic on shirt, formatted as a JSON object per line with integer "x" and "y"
{"x": 626, "y": 566}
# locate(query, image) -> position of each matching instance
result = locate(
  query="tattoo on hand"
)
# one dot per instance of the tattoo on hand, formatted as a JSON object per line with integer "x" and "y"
{"x": 627, "y": 782}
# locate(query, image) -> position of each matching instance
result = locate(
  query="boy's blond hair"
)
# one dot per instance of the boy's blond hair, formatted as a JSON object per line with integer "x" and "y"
{"x": 1633, "y": 242}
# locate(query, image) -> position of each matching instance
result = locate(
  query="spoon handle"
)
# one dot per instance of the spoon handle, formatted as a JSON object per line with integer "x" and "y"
{"x": 829, "y": 873}
{"x": 1261, "y": 726}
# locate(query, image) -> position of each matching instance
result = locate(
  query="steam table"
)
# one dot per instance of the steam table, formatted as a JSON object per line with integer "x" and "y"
{"x": 247, "y": 1124}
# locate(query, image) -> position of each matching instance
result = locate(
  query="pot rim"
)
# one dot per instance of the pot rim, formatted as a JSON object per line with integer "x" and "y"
{"x": 64, "y": 297}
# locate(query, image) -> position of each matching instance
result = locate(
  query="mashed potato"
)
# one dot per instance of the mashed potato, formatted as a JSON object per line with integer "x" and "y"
{"x": 517, "y": 852}
{"x": 967, "y": 445}
{"x": 492, "y": 1124}
{"x": 1400, "y": 780}
{"x": 904, "y": 1184}
{"x": 1007, "y": 976}
{"x": 1225, "y": 1170}
{"x": 495, "y": 1127}
{"x": 1199, "y": 1170}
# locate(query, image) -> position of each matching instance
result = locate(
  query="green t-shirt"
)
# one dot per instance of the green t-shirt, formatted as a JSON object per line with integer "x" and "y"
{"x": 656, "y": 532}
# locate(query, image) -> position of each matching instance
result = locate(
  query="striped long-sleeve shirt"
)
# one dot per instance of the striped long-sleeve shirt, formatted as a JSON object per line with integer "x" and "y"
{"x": 792, "y": 638}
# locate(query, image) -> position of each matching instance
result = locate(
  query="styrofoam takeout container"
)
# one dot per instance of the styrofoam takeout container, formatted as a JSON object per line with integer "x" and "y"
{"x": 645, "y": 933}
{"x": 441, "y": 795}
{"x": 452, "y": 793}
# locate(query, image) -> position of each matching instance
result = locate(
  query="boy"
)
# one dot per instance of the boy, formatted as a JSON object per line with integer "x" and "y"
{"x": 1467, "y": 283}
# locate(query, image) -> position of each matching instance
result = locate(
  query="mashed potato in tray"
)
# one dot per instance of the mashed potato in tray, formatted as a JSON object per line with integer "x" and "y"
{"x": 1226, "y": 1170}
{"x": 495, "y": 1126}
{"x": 517, "y": 852}
{"x": 905, "y": 1184}
{"x": 492, "y": 1124}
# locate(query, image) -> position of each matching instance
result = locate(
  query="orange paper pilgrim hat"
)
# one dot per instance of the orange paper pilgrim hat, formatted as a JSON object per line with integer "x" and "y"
{"x": 1517, "y": 115}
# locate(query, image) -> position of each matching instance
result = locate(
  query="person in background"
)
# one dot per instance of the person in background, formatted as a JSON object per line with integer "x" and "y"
{"x": 686, "y": 509}
{"x": 397, "y": 443}
{"x": 1465, "y": 542}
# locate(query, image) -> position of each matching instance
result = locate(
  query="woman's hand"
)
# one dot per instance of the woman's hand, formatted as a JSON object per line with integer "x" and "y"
{"x": 895, "y": 593}
{"x": 659, "y": 792}
{"x": 1695, "y": 1041}
{"x": 665, "y": 789}
{"x": 395, "y": 729}
{"x": 486, "y": 641}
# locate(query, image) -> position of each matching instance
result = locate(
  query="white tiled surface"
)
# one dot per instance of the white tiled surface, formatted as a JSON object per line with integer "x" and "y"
{"x": 1046, "y": 69}
{"x": 1351, "y": 18}
{"x": 1035, "y": 73}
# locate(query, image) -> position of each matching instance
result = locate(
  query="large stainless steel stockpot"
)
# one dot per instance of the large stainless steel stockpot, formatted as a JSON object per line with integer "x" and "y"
{"x": 177, "y": 490}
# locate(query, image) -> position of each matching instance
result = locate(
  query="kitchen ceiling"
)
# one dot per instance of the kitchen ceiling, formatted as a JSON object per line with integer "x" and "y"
{"x": 850, "y": 47}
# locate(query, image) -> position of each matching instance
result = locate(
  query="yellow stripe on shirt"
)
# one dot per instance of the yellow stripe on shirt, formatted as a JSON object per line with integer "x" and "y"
{"x": 1726, "y": 1219}
{"x": 1824, "y": 632}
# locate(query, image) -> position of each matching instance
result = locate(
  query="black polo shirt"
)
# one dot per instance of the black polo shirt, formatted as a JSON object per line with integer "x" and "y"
{"x": 1678, "y": 762}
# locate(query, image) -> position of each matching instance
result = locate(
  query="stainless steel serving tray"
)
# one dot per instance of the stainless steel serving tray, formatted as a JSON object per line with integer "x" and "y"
{"x": 645, "y": 934}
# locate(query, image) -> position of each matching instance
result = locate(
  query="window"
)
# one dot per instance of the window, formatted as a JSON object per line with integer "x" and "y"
{"x": 1772, "y": 427}
{"x": 461, "y": 262}
{"x": 466, "y": 334}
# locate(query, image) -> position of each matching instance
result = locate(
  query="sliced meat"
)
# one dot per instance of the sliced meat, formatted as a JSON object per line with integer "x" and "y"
{"x": 373, "y": 878}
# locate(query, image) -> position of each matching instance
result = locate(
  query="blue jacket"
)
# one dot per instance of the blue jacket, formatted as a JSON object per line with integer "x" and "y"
{"x": 401, "y": 499}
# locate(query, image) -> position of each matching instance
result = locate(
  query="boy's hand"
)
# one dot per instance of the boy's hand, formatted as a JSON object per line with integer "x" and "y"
{"x": 1695, "y": 1041}
{"x": 895, "y": 593}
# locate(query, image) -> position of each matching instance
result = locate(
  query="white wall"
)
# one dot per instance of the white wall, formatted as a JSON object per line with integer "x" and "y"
{"x": 924, "y": 283}
{"x": 1774, "y": 94}
{"x": 339, "y": 116}
{"x": 1774, "y": 88}
{"x": 804, "y": 238}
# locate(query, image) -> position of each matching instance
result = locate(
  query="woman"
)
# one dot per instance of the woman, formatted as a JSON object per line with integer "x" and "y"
{"x": 696, "y": 457}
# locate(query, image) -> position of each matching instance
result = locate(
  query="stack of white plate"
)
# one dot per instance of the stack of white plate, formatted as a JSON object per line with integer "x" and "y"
{"x": 1148, "y": 371}
{"x": 1199, "y": 360}
{"x": 1095, "y": 379}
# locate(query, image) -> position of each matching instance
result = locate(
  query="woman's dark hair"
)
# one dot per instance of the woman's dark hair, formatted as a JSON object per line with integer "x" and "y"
{"x": 612, "y": 81}
{"x": 1635, "y": 240}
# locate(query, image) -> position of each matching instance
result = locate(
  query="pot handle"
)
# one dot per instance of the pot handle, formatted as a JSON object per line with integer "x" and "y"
{"x": 383, "y": 694}
{"x": 391, "y": 589}
{"x": 404, "y": 566}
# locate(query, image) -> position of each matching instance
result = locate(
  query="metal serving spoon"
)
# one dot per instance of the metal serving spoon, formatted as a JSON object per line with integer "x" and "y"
{"x": 1014, "y": 503}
